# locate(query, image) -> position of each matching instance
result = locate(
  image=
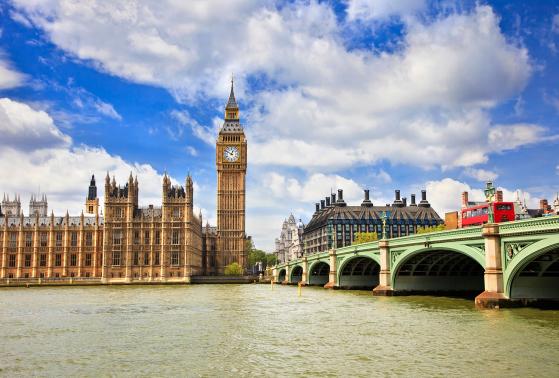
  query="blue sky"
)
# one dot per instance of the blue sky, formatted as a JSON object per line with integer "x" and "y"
{"x": 376, "y": 94}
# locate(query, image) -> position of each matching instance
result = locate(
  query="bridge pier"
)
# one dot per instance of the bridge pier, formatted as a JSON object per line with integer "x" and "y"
{"x": 384, "y": 288}
{"x": 305, "y": 277}
{"x": 287, "y": 275}
{"x": 332, "y": 276}
{"x": 494, "y": 294}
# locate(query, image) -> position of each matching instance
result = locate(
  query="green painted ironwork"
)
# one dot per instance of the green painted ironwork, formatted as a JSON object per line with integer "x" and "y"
{"x": 521, "y": 242}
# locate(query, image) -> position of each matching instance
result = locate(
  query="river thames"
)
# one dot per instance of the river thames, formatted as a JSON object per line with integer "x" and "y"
{"x": 250, "y": 330}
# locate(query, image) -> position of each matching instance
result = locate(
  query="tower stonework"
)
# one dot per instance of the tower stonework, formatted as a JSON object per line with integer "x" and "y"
{"x": 231, "y": 162}
{"x": 92, "y": 201}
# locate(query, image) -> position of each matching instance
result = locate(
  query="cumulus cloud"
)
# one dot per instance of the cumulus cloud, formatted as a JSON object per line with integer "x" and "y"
{"x": 9, "y": 78}
{"x": 481, "y": 174}
{"x": 45, "y": 158}
{"x": 446, "y": 195}
{"x": 314, "y": 188}
{"x": 26, "y": 129}
{"x": 382, "y": 9}
{"x": 382, "y": 176}
{"x": 425, "y": 104}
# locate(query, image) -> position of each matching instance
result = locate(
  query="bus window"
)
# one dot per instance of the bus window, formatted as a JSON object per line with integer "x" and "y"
{"x": 503, "y": 207}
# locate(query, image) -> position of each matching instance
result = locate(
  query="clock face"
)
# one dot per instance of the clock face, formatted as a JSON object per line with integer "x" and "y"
{"x": 231, "y": 153}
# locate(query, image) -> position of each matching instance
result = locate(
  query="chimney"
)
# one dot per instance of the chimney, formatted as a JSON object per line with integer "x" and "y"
{"x": 327, "y": 201}
{"x": 317, "y": 207}
{"x": 413, "y": 200}
{"x": 405, "y": 201}
{"x": 321, "y": 204}
{"x": 397, "y": 201}
{"x": 424, "y": 202}
{"x": 465, "y": 200}
{"x": 341, "y": 201}
{"x": 366, "y": 202}
{"x": 499, "y": 196}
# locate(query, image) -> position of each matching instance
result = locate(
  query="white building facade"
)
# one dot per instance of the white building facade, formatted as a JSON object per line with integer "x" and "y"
{"x": 289, "y": 245}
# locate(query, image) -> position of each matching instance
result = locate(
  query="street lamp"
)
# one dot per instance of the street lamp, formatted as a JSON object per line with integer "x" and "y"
{"x": 489, "y": 197}
{"x": 384, "y": 217}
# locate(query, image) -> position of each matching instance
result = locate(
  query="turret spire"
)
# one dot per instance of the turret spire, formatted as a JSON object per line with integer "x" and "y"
{"x": 232, "y": 103}
{"x": 232, "y": 109}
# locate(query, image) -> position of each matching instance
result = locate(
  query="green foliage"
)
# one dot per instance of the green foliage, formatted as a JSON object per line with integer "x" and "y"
{"x": 426, "y": 230}
{"x": 271, "y": 259}
{"x": 233, "y": 269}
{"x": 256, "y": 255}
{"x": 364, "y": 237}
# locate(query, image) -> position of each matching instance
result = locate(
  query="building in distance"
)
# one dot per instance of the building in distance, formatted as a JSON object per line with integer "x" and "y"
{"x": 335, "y": 224}
{"x": 289, "y": 245}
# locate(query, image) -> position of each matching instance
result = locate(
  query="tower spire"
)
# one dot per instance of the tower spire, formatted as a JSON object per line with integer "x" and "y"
{"x": 232, "y": 102}
{"x": 232, "y": 109}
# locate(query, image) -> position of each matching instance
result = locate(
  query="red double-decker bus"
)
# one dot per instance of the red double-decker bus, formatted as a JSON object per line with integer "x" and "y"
{"x": 478, "y": 215}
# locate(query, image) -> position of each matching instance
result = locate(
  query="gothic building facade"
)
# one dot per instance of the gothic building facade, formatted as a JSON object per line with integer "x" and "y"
{"x": 126, "y": 242}
{"x": 289, "y": 245}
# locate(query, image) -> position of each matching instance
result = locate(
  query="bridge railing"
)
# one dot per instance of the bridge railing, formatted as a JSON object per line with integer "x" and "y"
{"x": 543, "y": 224}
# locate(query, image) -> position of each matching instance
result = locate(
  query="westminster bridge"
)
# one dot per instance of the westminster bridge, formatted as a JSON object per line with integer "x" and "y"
{"x": 505, "y": 264}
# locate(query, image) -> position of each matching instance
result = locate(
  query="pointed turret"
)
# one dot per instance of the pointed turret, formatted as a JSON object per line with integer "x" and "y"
{"x": 232, "y": 109}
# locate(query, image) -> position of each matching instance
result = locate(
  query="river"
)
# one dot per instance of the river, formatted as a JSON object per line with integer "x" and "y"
{"x": 252, "y": 330}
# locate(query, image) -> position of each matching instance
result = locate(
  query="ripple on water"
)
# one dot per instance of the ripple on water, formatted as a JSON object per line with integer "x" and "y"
{"x": 246, "y": 330}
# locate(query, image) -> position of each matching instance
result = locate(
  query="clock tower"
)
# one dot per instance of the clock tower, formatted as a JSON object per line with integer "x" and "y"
{"x": 231, "y": 161}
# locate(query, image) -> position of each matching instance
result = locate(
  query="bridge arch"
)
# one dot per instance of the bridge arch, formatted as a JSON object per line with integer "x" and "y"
{"x": 319, "y": 273}
{"x": 359, "y": 272}
{"x": 282, "y": 275}
{"x": 439, "y": 269}
{"x": 296, "y": 274}
{"x": 534, "y": 272}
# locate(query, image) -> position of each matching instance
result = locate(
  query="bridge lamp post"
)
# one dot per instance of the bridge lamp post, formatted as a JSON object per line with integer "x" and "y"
{"x": 384, "y": 218}
{"x": 489, "y": 197}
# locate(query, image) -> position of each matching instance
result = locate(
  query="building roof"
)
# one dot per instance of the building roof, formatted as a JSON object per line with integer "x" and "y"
{"x": 232, "y": 126}
{"x": 46, "y": 221}
{"x": 148, "y": 212}
{"x": 339, "y": 213}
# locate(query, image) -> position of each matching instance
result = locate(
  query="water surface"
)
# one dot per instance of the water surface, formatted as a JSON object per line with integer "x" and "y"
{"x": 249, "y": 330}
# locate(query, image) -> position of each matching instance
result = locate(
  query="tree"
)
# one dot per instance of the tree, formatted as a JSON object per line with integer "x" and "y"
{"x": 256, "y": 255}
{"x": 271, "y": 259}
{"x": 364, "y": 237}
{"x": 233, "y": 269}
{"x": 426, "y": 230}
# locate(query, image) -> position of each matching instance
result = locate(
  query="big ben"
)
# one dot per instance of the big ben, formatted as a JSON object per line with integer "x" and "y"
{"x": 231, "y": 161}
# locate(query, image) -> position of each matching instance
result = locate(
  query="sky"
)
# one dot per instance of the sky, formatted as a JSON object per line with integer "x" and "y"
{"x": 352, "y": 95}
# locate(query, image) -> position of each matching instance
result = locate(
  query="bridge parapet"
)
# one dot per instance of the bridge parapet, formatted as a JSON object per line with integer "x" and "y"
{"x": 530, "y": 226}
{"x": 453, "y": 235}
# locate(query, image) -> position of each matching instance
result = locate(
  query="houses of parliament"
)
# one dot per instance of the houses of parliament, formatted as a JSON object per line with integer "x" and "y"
{"x": 129, "y": 243}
